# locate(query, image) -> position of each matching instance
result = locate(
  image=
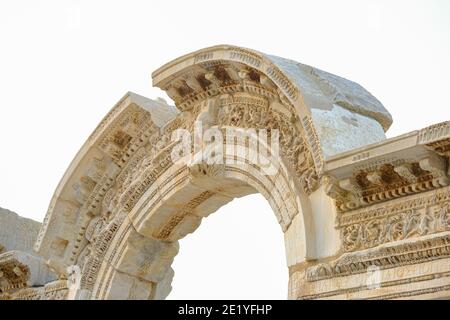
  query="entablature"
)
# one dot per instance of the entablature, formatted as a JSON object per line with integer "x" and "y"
{"x": 411, "y": 163}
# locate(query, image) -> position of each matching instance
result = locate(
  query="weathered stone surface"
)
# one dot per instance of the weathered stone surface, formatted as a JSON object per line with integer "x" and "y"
{"x": 19, "y": 266}
{"x": 363, "y": 217}
{"x": 17, "y": 233}
{"x": 345, "y": 115}
{"x": 36, "y": 272}
{"x": 322, "y": 90}
{"x": 323, "y": 95}
{"x": 161, "y": 112}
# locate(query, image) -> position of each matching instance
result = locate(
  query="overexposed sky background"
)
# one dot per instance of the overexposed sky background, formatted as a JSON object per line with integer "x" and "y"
{"x": 64, "y": 64}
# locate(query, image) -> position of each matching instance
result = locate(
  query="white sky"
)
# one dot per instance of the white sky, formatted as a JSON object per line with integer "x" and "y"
{"x": 64, "y": 64}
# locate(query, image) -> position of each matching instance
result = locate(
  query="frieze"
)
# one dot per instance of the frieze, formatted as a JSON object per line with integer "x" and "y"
{"x": 402, "y": 220}
{"x": 383, "y": 258}
{"x": 56, "y": 290}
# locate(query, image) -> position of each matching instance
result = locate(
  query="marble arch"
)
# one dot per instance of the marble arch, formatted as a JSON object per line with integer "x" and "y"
{"x": 112, "y": 227}
{"x": 146, "y": 203}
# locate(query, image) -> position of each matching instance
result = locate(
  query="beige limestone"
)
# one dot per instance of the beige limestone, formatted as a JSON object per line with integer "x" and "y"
{"x": 17, "y": 233}
{"x": 363, "y": 217}
{"x": 19, "y": 266}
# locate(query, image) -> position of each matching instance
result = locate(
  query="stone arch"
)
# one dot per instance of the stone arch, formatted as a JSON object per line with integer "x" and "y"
{"x": 123, "y": 204}
{"x": 153, "y": 203}
{"x": 145, "y": 243}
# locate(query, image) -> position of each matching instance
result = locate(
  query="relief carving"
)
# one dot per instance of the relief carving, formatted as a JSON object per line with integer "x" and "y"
{"x": 403, "y": 220}
{"x": 387, "y": 182}
{"x": 383, "y": 258}
{"x": 131, "y": 150}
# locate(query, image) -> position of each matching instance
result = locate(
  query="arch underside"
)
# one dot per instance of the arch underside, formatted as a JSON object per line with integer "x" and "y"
{"x": 145, "y": 240}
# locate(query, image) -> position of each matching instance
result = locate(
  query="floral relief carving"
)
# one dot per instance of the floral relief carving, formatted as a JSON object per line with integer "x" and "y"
{"x": 418, "y": 219}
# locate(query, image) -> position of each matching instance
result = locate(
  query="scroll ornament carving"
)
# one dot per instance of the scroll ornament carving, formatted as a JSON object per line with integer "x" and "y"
{"x": 147, "y": 175}
{"x": 138, "y": 172}
{"x": 391, "y": 224}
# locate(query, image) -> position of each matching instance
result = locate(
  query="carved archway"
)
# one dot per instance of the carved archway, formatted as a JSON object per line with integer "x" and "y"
{"x": 123, "y": 204}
